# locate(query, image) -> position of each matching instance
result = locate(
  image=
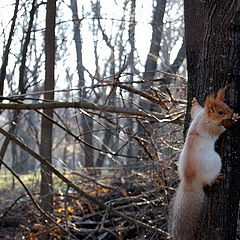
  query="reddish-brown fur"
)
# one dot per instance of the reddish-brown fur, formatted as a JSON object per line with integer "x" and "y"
{"x": 190, "y": 169}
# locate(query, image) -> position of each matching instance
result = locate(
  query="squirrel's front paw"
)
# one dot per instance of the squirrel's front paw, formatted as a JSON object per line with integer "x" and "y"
{"x": 194, "y": 101}
{"x": 218, "y": 179}
{"x": 231, "y": 122}
{"x": 235, "y": 117}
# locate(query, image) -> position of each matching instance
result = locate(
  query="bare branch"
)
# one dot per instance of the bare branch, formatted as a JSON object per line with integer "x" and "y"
{"x": 88, "y": 105}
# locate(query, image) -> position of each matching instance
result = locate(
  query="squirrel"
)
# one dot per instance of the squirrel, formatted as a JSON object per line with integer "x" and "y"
{"x": 199, "y": 164}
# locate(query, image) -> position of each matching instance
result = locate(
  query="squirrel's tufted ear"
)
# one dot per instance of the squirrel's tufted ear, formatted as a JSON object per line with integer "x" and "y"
{"x": 209, "y": 104}
{"x": 221, "y": 93}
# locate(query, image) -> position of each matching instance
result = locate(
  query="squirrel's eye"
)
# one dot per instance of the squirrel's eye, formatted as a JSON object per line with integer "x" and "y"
{"x": 220, "y": 112}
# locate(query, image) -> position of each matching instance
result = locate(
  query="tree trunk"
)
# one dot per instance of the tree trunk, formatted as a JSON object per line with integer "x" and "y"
{"x": 131, "y": 63}
{"x": 157, "y": 29}
{"x": 7, "y": 50}
{"x": 194, "y": 33}
{"x": 46, "y": 126}
{"x": 111, "y": 98}
{"x": 174, "y": 67}
{"x": 86, "y": 121}
{"x": 22, "y": 77}
{"x": 212, "y": 65}
{"x": 151, "y": 65}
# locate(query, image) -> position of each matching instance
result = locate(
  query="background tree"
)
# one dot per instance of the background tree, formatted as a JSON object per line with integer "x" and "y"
{"x": 7, "y": 49}
{"x": 46, "y": 126}
{"x": 154, "y": 51}
{"x": 86, "y": 120}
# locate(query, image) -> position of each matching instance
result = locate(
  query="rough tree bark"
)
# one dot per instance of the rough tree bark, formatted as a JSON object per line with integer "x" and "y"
{"x": 46, "y": 126}
{"x": 194, "y": 32}
{"x": 213, "y": 62}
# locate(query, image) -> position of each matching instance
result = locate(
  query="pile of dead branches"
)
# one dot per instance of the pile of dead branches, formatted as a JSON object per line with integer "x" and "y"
{"x": 75, "y": 217}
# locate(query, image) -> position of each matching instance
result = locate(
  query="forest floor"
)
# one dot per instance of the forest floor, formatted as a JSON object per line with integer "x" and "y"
{"x": 76, "y": 217}
{"x": 144, "y": 197}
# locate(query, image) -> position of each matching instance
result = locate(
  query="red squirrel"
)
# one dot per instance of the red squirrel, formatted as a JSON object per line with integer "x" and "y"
{"x": 199, "y": 164}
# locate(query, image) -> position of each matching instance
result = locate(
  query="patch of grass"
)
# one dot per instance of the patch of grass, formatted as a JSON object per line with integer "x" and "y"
{"x": 31, "y": 179}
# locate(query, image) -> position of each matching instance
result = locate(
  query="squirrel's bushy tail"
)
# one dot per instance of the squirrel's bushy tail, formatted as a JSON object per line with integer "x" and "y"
{"x": 185, "y": 210}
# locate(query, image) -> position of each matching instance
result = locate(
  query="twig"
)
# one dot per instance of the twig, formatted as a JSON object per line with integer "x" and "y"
{"x": 65, "y": 210}
{"x": 12, "y": 205}
{"x": 113, "y": 233}
{"x": 156, "y": 100}
{"x": 135, "y": 204}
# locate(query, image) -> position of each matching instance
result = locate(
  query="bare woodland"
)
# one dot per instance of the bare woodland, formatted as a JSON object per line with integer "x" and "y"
{"x": 93, "y": 108}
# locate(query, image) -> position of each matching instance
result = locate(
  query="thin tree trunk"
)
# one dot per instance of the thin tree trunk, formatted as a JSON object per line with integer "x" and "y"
{"x": 151, "y": 62}
{"x": 78, "y": 43}
{"x": 7, "y": 50}
{"x": 155, "y": 47}
{"x": 73, "y": 162}
{"x": 46, "y": 126}
{"x": 174, "y": 67}
{"x": 86, "y": 121}
{"x": 131, "y": 63}
{"x": 179, "y": 58}
{"x": 108, "y": 136}
{"x": 14, "y": 161}
{"x": 22, "y": 78}
{"x": 157, "y": 29}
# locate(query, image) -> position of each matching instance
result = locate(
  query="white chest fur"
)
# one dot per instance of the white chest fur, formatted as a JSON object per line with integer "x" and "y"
{"x": 209, "y": 161}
